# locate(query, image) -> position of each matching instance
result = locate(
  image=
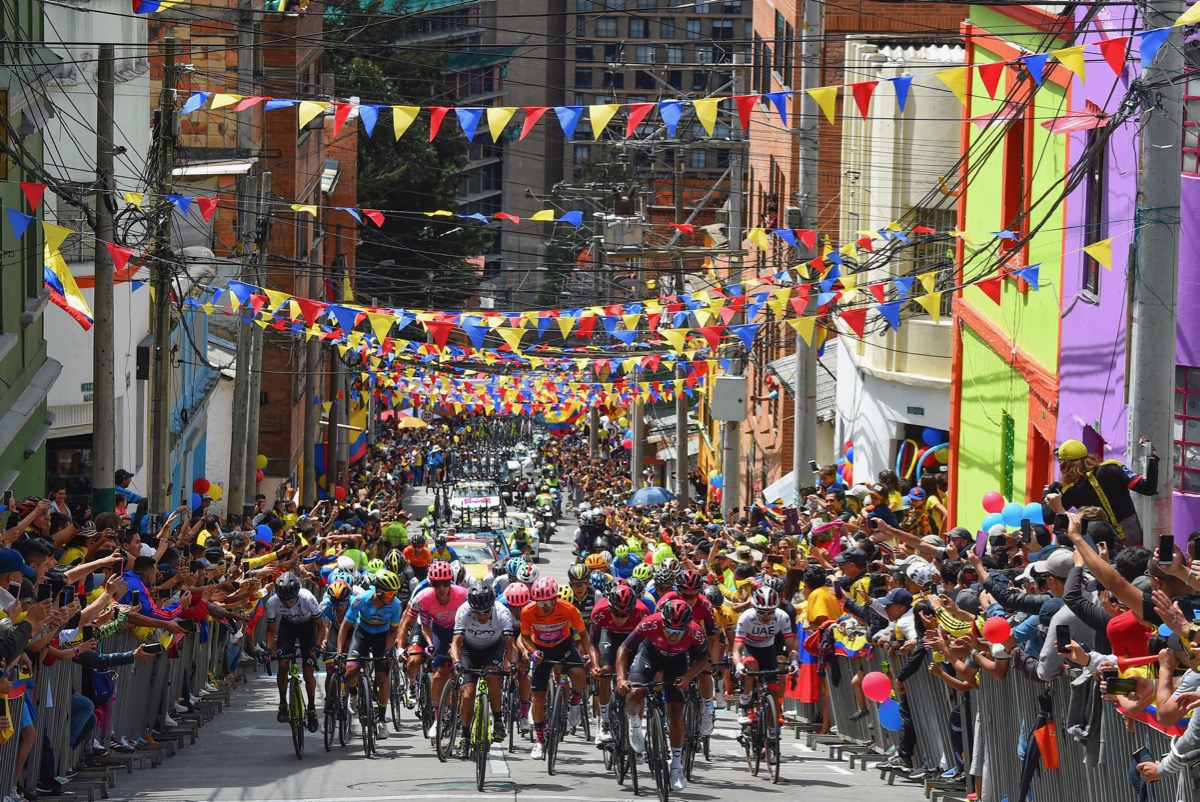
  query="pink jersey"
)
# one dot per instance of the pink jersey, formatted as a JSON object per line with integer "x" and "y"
{"x": 426, "y": 605}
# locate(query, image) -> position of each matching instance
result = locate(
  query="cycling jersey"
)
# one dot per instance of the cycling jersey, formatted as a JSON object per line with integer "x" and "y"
{"x": 432, "y": 612}
{"x": 756, "y": 633}
{"x": 623, "y": 567}
{"x": 448, "y": 554}
{"x": 305, "y": 608}
{"x": 368, "y": 617}
{"x": 418, "y": 558}
{"x": 702, "y": 610}
{"x": 653, "y": 634}
{"x": 550, "y": 629}
{"x": 585, "y": 606}
{"x": 602, "y": 619}
{"x": 483, "y": 634}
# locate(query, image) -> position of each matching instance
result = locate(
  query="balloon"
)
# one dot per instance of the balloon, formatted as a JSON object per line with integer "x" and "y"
{"x": 339, "y": 493}
{"x": 849, "y": 444}
{"x": 259, "y": 475}
{"x": 932, "y": 437}
{"x": 627, "y": 444}
{"x": 993, "y": 501}
{"x": 889, "y": 715}
{"x": 201, "y": 485}
{"x": 716, "y": 495}
{"x": 456, "y": 438}
{"x": 717, "y": 481}
{"x": 263, "y": 532}
{"x": 1033, "y": 513}
{"x": 877, "y": 686}
{"x": 850, "y": 455}
{"x": 841, "y": 461}
{"x": 997, "y": 629}
{"x": 713, "y": 473}
{"x": 260, "y": 462}
{"x": 603, "y": 420}
{"x": 1012, "y": 513}
{"x": 468, "y": 430}
{"x": 848, "y": 475}
{"x": 942, "y": 455}
{"x": 622, "y": 421}
{"x": 991, "y": 519}
{"x": 196, "y": 501}
{"x": 215, "y": 492}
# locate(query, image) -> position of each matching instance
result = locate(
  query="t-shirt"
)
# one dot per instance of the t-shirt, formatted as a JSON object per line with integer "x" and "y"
{"x": 822, "y": 604}
{"x": 305, "y": 609}
{"x": 483, "y": 634}
{"x": 368, "y": 617}
{"x": 653, "y": 634}
{"x": 550, "y": 629}
{"x": 418, "y": 558}
{"x": 432, "y": 612}
{"x": 754, "y": 632}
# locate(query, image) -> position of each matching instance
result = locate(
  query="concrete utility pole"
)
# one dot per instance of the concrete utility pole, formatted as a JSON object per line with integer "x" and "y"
{"x": 262, "y": 234}
{"x": 731, "y": 464}
{"x": 682, "y": 464}
{"x": 160, "y": 370}
{"x": 597, "y": 269}
{"x": 1156, "y": 266}
{"x": 104, "y": 422}
{"x": 312, "y": 412}
{"x": 804, "y": 423}
{"x": 638, "y": 412}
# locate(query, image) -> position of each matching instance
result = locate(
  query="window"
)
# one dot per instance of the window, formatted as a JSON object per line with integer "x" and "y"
{"x": 583, "y": 78}
{"x": 639, "y": 28}
{"x": 584, "y": 5}
{"x": 1185, "y": 453}
{"x": 1191, "y": 116}
{"x": 647, "y": 5}
{"x": 1013, "y": 197}
{"x": 693, "y": 29}
{"x": 606, "y": 26}
{"x": 674, "y": 54}
{"x": 722, "y": 29}
{"x": 643, "y": 80}
{"x": 698, "y": 158}
{"x": 612, "y": 53}
{"x": 582, "y": 153}
{"x": 644, "y": 54}
{"x": 584, "y": 53}
{"x": 932, "y": 253}
{"x": 675, "y": 79}
{"x": 699, "y": 81}
{"x": 666, "y": 28}
{"x": 614, "y": 80}
{"x": 732, "y": 7}
{"x": 1093, "y": 224}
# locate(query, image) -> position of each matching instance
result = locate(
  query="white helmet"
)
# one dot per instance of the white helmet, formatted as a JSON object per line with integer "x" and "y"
{"x": 346, "y": 564}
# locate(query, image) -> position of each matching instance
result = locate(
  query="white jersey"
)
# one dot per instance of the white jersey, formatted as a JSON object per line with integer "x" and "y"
{"x": 305, "y": 608}
{"x": 759, "y": 634}
{"x": 483, "y": 634}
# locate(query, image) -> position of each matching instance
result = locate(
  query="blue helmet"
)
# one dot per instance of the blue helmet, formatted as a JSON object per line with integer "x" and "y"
{"x": 513, "y": 566}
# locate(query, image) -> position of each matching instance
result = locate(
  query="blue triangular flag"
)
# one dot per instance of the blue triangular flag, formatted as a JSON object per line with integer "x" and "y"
{"x": 350, "y": 210}
{"x": 1036, "y": 64}
{"x": 1030, "y": 274}
{"x": 670, "y": 111}
{"x": 574, "y": 218}
{"x": 19, "y": 221}
{"x": 194, "y": 101}
{"x": 679, "y": 320}
{"x": 891, "y": 313}
{"x": 725, "y": 363}
{"x": 1152, "y": 42}
{"x": 900, "y": 235}
{"x": 476, "y": 216}
{"x": 787, "y": 235}
{"x": 543, "y": 323}
{"x": 901, "y": 84}
{"x": 779, "y": 99}
{"x": 469, "y": 119}
{"x": 1006, "y": 234}
{"x": 825, "y": 298}
{"x": 568, "y": 118}
{"x": 610, "y": 322}
{"x": 344, "y": 315}
{"x": 475, "y": 332}
{"x": 281, "y": 103}
{"x": 903, "y": 285}
{"x": 134, "y": 286}
{"x": 182, "y": 203}
{"x": 626, "y": 337}
{"x": 241, "y": 291}
{"x": 746, "y": 333}
{"x": 836, "y": 258}
{"x": 369, "y": 115}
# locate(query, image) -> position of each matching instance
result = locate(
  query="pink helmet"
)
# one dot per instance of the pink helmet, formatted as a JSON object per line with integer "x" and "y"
{"x": 516, "y": 594}
{"x": 545, "y": 589}
{"x": 441, "y": 571}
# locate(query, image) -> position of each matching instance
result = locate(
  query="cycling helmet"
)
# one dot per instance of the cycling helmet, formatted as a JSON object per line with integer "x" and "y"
{"x": 664, "y": 578}
{"x": 441, "y": 571}
{"x": 346, "y": 564}
{"x": 375, "y": 566}
{"x": 765, "y": 599}
{"x": 544, "y": 589}
{"x": 460, "y": 572}
{"x": 600, "y": 581}
{"x": 417, "y": 540}
{"x": 714, "y": 595}
{"x": 395, "y": 562}
{"x": 671, "y": 564}
{"x": 362, "y": 581}
{"x": 578, "y": 572}
{"x": 528, "y": 574}
{"x": 601, "y": 544}
{"x": 595, "y": 562}
{"x": 622, "y": 551}
{"x": 341, "y": 576}
{"x": 287, "y": 587}
{"x": 643, "y": 571}
{"x": 429, "y": 509}
{"x": 636, "y": 585}
{"x": 338, "y": 592}
{"x": 387, "y": 582}
{"x": 440, "y": 542}
{"x": 481, "y": 597}
{"x": 676, "y": 614}
{"x": 497, "y": 569}
{"x": 516, "y": 594}
{"x": 566, "y": 594}
{"x": 622, "y": 600}
{"x": 775, "y": 583}
{"x": 513, "y": 566}
{"x": 607, "y": 557}
{"x": 690, "y": 581}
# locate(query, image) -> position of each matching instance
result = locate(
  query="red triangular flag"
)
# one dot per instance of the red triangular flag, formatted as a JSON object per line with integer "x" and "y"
{"x": 440, "y": 329}
{"x": 532, "y": 115}
{"x": 866, "y": 244}
{"x": 727, "y": 314}
{"x": 247, "y": 102}
{"x": 257, "y": 302}
{"x": 586, "y": 324}
{"x": 33, "y": 193}
{"x": 990, "y": 75}
{"x": 512, "y": 218}
{"x": 712, "y": 336}
{"x": 862, "y": 95}
{"x": 683, "y": 228}
{"x": 207, "y": 206}
{"x": 991, "y": 287}
{"x": 745, "y": 107}
{"x": 436, "y": 115}
{"x": 375, "y": 216}
{"x": 1113, "y": 51}
{"x": 856, "y": 319}
{"x": 120, "y": 256}
{"x": 923, "y": 230}
{"x": 878, "y": 291}
{"x": 807, "y": 236}
{"x": 800, "y": 299}
{"x": 652, "y": 319}
{"x": 637, "y": 113}
{"x": 823, "y": 308}
{"x": 341, "y": 113}
{"x": 310, "y": 309}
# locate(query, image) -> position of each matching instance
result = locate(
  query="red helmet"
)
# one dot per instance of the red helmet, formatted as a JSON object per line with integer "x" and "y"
{"x": 441, "y": 571}
{"x": 544, "y": 589}
{"x": 516, "y": 594}
{"x": 622, "y": 600}
{"x": 676, "y": 614}
{"x": 689, "y": 581}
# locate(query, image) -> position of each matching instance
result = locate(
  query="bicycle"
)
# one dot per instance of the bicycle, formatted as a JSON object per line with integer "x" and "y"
{"x": 757, "y": 738}
{"x": 658, "y": 749}
{"x": 618, "y": 754}
{"x": 425, "y": 695}
{"x": 398, "y": 689}
{"x": 295, "y": 704}
{"x": 556, "y": 718}
{"x": 366, "y": 702}
{"x": 337, "y": 707}
{"x": 693, "y": 741}
{"x": 447, "y": 720}
{"x": 480, "y": 742}
{"x": 512, "y": 709}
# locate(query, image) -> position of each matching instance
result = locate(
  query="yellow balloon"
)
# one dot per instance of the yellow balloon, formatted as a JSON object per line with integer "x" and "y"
{"x": 215, "y": 492}
{"x": 260, "y": 462}
{"x": 623, "y": 421}
{"x": 468, "y": 430}
{"x": 456, "y": 438}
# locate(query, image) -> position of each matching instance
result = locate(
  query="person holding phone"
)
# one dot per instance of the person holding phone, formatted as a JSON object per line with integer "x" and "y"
{"x": 1088, "y": 482}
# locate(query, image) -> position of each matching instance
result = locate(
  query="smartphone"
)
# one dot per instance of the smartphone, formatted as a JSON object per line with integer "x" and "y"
{"x": 981, "y": 544}
{"x": 1194, "y": 549}
{"x": 89, "y": 632}
{"x": 1121, "y": 686}
{"x": 1026, "y": 531}
{"x": 1061, "y": 523}
{"x": 1062, "y": 636}
{"x": 775, "y": 559}
{"x": 1141, "y": 755}
{"x": 45, "y": 592}
{"x": 873, "y": 523}
{"x": 1108, "y": 674}
{"x": 7, "y": 499}
{"x": 1166, "y": 549}
{"x": 14, "y": 589}
{"x": 135, "y": 598}
{"x": 153, "y": 648}
{"x": 68, "y": 595}
{"x": 812, "y": 466}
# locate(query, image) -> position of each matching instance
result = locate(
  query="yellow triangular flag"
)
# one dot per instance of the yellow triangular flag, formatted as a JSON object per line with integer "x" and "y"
{"x": 55, "y": 235}
{"x": 928, "y": 280}
{"x": 631, "y": 321}
{"x": 932, "y": 303}
{"x": 1188, "y": 17}
{"x": 706, "y": 112}
{"x": 827, "y": 247}
{"x": 328, "y": 405}
{"x": 776, "y": 304}
{"x": 221, "y": 101}
{"x": 498, "y": 117}
{"x": 207, "y": 307}
{"x": 1072, "y": 59}
{"x": 1101, "y": 251}
{"x": 277, "y": 298}
{"x": 759, "y": 238}
{"x": 955, "y": 80}
{"x": 826, "y": 97}
{"x": 674, "y": 338}
{"x": 134, "y": 199}
{"x": 440, "y": 213}
{"x": 599, "y": 115}
{"x": 402, "y": 118}
{"x": 965, "y": 236}
{"x": 804, "y": 326}
{"x": 302, "y": 207}
{"x": 513, "y": 337}
{"x": 381, "y": 324}
{"x": 544, "y": 214}
{"x": 309, "y": 109}
{"x": 565, "y": 324}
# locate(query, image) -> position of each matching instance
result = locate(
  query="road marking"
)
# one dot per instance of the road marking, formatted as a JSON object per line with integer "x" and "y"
{"x": 840, "y": 770}
{"x": 498, "y": 765}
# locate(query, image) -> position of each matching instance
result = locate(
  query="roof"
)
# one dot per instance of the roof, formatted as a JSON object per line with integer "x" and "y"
{"x": 668, "y": 452}
{"x": 785, "y": 369}
{"x": 477, "y": 57}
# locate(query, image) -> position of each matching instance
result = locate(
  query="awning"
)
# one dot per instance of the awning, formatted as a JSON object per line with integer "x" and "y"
{"x": 222, "y": 167}
{"x": 668, "y": 452}
{"x": 784, "y": 369}
{"x": 477, "y": 58}
{"x": 783, "y": 490}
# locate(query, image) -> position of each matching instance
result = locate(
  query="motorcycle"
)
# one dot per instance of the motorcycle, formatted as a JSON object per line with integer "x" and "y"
{"x": 547, "y": 523}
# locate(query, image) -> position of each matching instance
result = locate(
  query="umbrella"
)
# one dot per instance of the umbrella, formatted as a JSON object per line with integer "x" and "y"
{"x": 409, "y": 422}
{"x": 649, "y": 496}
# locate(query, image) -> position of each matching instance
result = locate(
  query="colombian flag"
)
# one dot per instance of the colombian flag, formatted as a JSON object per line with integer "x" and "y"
{"x": 808, "y": 684}
{"x": 64, "y": 292}
{"x": 850, "y": 645}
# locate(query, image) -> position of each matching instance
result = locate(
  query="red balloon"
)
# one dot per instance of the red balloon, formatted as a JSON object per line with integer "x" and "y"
{"x": 201, "y": 485}
{"x": 258, "y": 477}
{"x": 997, "y": 629}
{"x": 993, "y": 501}
{"x": 848, "y": 475}
{"x": 627, "y": 444}
{"x": 716, "y": 494}
{"x": 339, "y": 493}
{"x": 877, "y": 686}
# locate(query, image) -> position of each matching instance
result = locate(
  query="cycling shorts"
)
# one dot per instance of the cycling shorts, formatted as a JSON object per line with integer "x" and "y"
{"x": 369, "y": 644}
{"x": 564, "y": 652}
{"x": 486, "y": 657}
{"x": 291, "y": 634}
{"x": 649, "y": 661}
{"x": 442, "y": 637}
{"x": 608, "y": 645}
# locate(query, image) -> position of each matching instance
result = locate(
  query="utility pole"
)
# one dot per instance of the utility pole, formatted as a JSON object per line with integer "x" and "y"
{"x": 104, "y": 424}
{"x": 312, "y": 412}
{"x": 160, "y": 370}
{"x": 1156, "y": 266}
{"x": 597, "y": 269}
{"x": 682, "y": 464}
{"x": 638, "y": 411}
{"x": 262, "y": 234}
{"x": 731, "y": 465}
{"x": 804, "y": 400}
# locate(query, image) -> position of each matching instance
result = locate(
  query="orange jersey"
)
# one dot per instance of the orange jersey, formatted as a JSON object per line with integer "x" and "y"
{"x": 418, "y": 559}
{"x": 550, "y": 629}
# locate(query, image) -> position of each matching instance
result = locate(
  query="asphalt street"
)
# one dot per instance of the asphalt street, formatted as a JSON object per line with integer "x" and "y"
{"x": 245, "y": 756}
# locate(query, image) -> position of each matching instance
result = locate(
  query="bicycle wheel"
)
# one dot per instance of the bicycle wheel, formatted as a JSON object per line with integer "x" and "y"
{"x": 771, "y": 730}
{"x": 343, "y": 712}
{"x": 616, "y": 727}
{"x": 512, "y": 712}
{"x": 658, "y": 754}
{"x": 585, "y": 709}
{"x": 447, "y": 722}
{"x": 425, "y": 703}
{"x": 331, "y": 718}
{"x": 760, "y": 733}
{"x": 296, "y": 718}
{"x": 748, "y": 737}
{"x": 481, "y": 730}
{"x": 554, "y": 723}
{"x": 397, "y": 682}
{"x": 691, "y": 733}
{"x": 631, "y": 764}
{"x": 366, "y": 716}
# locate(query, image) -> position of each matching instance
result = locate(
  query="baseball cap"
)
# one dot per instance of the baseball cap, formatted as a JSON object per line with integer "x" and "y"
{"x": 1058, "y": 564}
{"x": 123, "y": 474}
{"x": 919, "y": 573}
{"x": 878, "y": 488}
{"x": 916, "y": 494}
{"x": 933, "y": 540}
{"x": 962, "y": 533}
{"x": 1071, "y": 449}
{"x": 11, "y": 561}
{"x": 897, "y": 596}
{"x": 856, "y": 556}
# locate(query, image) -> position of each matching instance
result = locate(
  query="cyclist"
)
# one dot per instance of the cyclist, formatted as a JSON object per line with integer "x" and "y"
{"x": 441, "y": 551}
{"x": 613, "y": 618}
{"x": 624, "y": 563}
{"x": 418, "y": 555}
{"x": 483, "y": 638}
{"x": 665, "y": 577}
{"x": 301, "y": 623}
{"x": 763, "y": 636}
{"x": 369, "y": 630}
{"x": 516, "y": 596}
{"x": 669, "y": 642}
{"x": 639, "y": 589}
{"x": 512, "y": 567}
{"x": 547, "y": 626}
{"x": 688, "y": 589}
{"x": 394, "y": 561}
{"x": 428, "y": 522}
{"x": 580, "y": 592}
{"x": 726, "y": 620}
{"x": 333, "y": 611}
{"x": 521, "y": 544}
{"x": 436, "y": 607}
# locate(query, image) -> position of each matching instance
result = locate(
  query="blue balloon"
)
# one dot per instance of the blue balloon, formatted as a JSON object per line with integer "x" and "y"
{"x": 850, "y": 455}
{"x": 1012, "y": 514}
{"x": 889, "y": 715}
{"x": 717, "y": 481}
{"x": 991, "y": 519}
{"x": 263, "y": 532}
{"x": 933, "y": 437}
{"x": 196, "y": 501}
{"x": 1033, "y": 513}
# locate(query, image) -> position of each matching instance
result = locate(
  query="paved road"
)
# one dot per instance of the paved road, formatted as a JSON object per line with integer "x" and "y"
{"x": 244, "y": 756}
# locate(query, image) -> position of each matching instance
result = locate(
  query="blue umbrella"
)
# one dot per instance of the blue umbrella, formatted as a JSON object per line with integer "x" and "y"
{"x": 649, "y": 496}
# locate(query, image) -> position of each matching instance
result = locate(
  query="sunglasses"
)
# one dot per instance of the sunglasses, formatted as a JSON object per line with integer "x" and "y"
{"x": 676, "y": 632}
{"x": 442, "y": 584}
